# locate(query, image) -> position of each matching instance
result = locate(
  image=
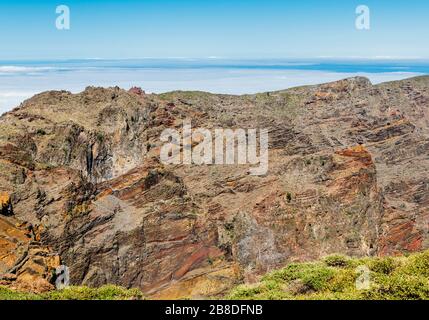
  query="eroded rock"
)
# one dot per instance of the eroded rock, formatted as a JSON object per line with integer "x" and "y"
{"x": 348, "y": 173}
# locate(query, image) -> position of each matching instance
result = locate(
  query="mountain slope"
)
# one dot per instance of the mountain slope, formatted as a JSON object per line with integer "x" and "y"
{"x": 348, "y": 173}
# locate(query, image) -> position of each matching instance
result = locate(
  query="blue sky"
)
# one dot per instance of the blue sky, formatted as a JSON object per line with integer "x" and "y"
{"x": 206, "y": 28}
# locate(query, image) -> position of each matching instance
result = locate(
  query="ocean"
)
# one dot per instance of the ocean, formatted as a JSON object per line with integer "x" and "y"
{"x": 20, "y": 80}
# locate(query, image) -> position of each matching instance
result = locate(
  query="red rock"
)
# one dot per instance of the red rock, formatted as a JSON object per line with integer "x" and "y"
{"x": 137, "y": 90}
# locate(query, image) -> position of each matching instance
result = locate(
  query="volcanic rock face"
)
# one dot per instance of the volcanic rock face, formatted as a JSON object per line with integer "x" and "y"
{"x": 25, "y": 264}
{"x": 348, "y": 173}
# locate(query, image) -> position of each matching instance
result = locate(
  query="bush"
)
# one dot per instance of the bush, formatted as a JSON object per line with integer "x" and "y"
{"x": 313, "y": 275}
{"x": 343, "y": 280}
{"x": 383, "y": 265}
{"x": 245, "y": 292}
{"x": 318, "y": 279}
{"x": 399, "y": 287}
{"x": 417, "y": 264}
{"x": 108, "y": 292}
{"x": 292, "y": 271}
{"x": 391, "y": 278}
{"x": 337, "y": 260}
{"x": 8, "y": 294}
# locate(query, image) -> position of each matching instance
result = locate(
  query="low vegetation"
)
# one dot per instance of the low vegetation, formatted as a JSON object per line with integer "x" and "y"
{"x": 335, "y": 277}
{"x": 76, "y": 293}
{"x": 341, "y": 278}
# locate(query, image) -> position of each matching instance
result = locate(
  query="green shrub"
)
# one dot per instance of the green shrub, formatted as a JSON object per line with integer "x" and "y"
{"x": 391, "y": 278}
{"x": 337, "y": 260}
{"x": 270, "y": 290}
{"x": 8, "y": 294}
{"x": 383, "y": 265}
{"x": 399, "y": 287}
{"x": 291, "y": 272}
{"x": 417, "y": 264}
{"x": 245, "y": 292}
{"x": 343, "y": 280}
{"x": 318, "y": 279}
{"x": 313, "y": 275}
{"x": 108, "y": 292}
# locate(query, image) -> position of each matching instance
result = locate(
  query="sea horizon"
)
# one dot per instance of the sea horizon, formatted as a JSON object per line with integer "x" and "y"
{"x": 21, "y": 79}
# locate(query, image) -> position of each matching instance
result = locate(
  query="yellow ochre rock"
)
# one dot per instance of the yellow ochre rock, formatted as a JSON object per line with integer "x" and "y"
{"x": 5, "y": 204}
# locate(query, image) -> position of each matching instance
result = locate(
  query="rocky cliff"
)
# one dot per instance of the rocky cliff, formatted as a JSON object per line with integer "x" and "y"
{"x": 81, "y": 180}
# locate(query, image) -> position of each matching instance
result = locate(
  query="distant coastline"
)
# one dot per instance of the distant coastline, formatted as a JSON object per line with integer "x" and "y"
{"x": 21, "y": 79}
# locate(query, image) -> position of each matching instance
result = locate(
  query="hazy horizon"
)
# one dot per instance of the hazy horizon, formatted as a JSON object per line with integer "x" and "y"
{"x": 20, "y": 80}
{"x": 233, "y": 47}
